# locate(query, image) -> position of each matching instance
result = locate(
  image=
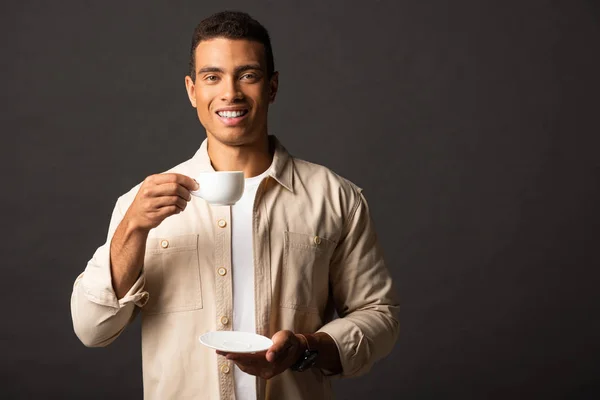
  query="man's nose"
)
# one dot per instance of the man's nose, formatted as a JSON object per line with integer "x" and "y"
{"x": 232, "y": 91}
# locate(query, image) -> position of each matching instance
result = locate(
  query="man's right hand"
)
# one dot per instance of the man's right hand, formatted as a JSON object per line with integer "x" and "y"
{"x": 159, "y": 197}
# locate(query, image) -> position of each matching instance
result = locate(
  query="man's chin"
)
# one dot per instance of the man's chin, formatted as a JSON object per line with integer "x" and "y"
{"x": 235, "y": 137}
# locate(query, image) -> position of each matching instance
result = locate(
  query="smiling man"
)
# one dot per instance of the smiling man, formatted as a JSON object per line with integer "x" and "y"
{"x": 298, "y": 247}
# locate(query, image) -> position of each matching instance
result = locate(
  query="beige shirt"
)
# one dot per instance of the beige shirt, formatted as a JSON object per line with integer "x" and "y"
{"x": 315, "y": 252}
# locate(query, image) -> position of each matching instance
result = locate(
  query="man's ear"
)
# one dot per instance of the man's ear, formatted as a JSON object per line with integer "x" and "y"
{"x": 273, "y": 86}
{"x": 190, "y": 87}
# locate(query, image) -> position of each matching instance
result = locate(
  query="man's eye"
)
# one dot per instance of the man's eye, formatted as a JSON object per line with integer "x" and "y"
{"x": 249, "y": 76}
{"x": 211, "y": 78}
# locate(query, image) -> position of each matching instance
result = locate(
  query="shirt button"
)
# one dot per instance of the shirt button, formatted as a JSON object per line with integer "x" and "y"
{"x": 222, "y": 223}
{"x": 164, "y": 244}
{"x": 317, "y": 240}
{"x": 222, "y": 271}
{"x": 224, "y": 320}
{"x": 225, "y": 369}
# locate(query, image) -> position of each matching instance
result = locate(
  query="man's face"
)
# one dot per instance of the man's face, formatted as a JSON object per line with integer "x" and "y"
{"x": 232, "y": 91}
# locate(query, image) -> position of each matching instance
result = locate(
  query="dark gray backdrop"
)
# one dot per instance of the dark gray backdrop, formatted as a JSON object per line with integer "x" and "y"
{"x": 471, "y": 125}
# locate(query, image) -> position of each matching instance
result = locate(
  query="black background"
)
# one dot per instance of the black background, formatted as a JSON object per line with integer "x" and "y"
{"x": 471, "y": 125}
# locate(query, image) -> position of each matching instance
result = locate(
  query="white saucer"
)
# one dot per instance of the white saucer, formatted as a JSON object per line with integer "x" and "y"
{"x": 235, "y": 342}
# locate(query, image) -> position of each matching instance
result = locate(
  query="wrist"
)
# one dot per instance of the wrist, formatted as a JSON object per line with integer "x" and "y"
{"x": 133, "y": 227}
{"x": 306, "y": 354}
{"x": 302, "y": 345}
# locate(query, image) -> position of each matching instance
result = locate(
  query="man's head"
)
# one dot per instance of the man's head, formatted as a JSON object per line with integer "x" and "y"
{"x": 232, "y": 79}
{"x": 231, "y": 25}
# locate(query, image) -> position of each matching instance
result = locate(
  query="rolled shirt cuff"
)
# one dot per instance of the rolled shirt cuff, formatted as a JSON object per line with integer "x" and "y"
{"x": 354, "y": 354}
{"x": 96, "y": 283}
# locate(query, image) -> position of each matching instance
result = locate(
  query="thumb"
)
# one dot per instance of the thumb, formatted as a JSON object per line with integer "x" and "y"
{"x": 281, "y": 344}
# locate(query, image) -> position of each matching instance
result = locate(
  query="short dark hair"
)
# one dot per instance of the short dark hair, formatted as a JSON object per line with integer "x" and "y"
{"x": 231, "y": 25}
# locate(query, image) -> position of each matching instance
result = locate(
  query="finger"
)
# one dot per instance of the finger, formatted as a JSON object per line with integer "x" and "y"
{"x": 169, "y": 189}
{"x": 167, "y": 211}
{"x": 275, "y": 355}
{"x": 248, "y": 359}
{"x": 246, "y": 368}
{"x": 281, "y": 344}
{"x": 272, "y": 356}
{"x": 281, "y": 340}
{"x": 150, "y": 191}
{"x": 165, "y": 201}
{"x": 179, "y": 179}
{"x": 179, "y": 204}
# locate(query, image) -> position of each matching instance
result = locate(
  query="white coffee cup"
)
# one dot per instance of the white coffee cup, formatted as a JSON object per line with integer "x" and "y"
{"x": 220, "y": 188}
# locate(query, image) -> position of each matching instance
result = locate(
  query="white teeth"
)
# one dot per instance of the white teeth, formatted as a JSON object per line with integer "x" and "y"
{"x": 231, "y": 114}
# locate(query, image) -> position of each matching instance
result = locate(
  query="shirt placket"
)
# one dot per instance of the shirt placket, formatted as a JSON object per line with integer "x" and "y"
{"x": 262, "y": 270}
{"x": 224, "y": 293}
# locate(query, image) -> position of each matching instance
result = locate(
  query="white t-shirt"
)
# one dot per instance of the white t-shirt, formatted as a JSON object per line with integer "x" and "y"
{"x": 243, "y": 277}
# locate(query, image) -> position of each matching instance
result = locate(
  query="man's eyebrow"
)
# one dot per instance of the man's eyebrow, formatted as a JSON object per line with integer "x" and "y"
{"x": 204, "y": 70}
{"x": 238, "y": 70}
{"x": 246, "y": 67}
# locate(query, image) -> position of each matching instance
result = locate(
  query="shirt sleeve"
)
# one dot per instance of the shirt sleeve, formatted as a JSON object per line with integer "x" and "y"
{"x": 98, "y": 315}
{"x": 363, "y": 294}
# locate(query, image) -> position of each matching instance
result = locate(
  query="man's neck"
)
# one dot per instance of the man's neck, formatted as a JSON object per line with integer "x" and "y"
{"x": 253, "y": 159}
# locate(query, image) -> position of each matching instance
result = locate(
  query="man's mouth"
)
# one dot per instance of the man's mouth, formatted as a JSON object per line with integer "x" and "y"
{"x": 232, "y": 114}
{"x": 233, "y": 117}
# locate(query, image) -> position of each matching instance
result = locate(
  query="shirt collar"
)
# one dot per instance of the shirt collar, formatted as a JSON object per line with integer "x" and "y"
{"x": 281, "y": 168}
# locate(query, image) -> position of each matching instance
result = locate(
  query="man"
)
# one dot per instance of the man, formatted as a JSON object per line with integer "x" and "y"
{"x": 298, "y": 246}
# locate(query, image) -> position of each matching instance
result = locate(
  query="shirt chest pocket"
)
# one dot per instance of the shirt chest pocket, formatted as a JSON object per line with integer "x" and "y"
{"x": 305, "y": 272}
{"x": 172, "y": 274}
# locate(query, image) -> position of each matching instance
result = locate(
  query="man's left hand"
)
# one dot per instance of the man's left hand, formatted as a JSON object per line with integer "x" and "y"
{"x": 284, "y": 352}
